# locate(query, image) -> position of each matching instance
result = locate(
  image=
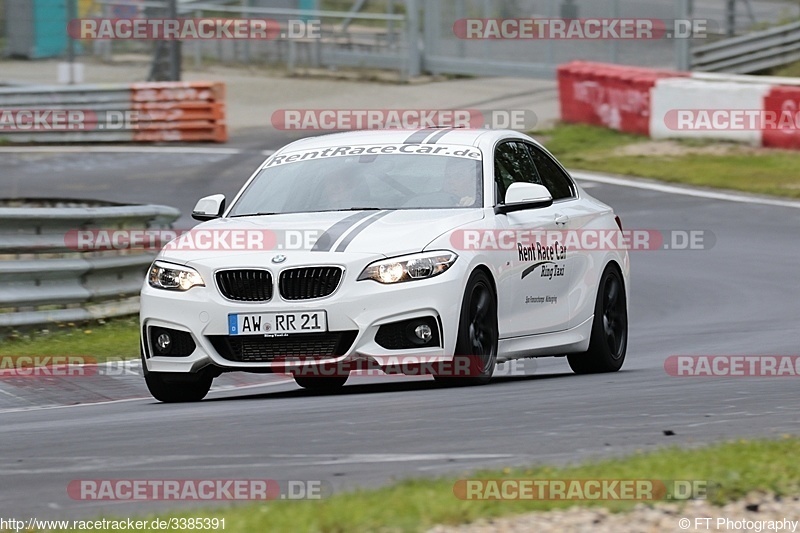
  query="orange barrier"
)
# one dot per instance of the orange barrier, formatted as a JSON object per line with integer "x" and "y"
{"x": 179, "y": 112}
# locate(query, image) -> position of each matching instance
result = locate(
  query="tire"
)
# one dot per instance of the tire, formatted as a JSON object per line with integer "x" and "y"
{"x": 178, "y": 388}
{"x": 608, "y": 343}
{"x": 321, "y": 384}
{"x": 476, "y": 341}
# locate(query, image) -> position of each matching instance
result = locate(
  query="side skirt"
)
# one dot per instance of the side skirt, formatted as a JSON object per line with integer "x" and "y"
{"x": 574, "y": 340}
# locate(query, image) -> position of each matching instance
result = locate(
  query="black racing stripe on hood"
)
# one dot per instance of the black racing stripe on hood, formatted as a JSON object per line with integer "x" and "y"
{"x": 438, "y": 137}
{"x": 419, "y": 136}
{"x": 353, "y": 234}
{"x": 329, "y": 238}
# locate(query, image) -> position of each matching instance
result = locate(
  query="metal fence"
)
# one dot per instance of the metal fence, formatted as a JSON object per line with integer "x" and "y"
{"x": 416, "y": 36}
{"x": 347, "y": 38}
{"x": 45, "y": 274}
{"x": 445, "y": 53}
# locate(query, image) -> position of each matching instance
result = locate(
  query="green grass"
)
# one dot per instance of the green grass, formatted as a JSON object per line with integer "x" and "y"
{"x": 762, "y": 171}
{"x": 112, "y": 340}
{"x": 731, "y": 469}
{"x": 791, "y": 71}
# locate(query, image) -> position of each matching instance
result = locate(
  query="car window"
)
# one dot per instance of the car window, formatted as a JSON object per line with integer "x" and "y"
{"x": 380, "y": 181}
{"x": 513, "y": 164}
{"x": 555, "y": 179}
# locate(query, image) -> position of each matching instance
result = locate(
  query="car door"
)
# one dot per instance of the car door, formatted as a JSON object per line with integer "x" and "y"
{"x": 533, "y": 286}
{"x": 572, "y": 218}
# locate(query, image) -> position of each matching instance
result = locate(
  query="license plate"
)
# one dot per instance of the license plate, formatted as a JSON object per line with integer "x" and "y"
{"x": 277, "y": 323}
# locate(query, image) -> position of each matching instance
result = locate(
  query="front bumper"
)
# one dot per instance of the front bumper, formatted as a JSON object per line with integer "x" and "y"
{"x": 360, "y": 307}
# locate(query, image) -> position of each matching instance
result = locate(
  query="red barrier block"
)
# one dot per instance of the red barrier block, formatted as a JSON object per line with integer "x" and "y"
{"x": 614, "y": 96}
{"x": 781, "y": 121}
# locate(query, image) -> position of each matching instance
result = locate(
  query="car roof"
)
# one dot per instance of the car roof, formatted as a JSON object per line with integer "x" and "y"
{"x": 456, "y": 136}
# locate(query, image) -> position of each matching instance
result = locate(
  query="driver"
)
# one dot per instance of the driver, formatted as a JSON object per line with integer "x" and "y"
{"x": 459, "y": 181}
{"x": 343, "y": 190}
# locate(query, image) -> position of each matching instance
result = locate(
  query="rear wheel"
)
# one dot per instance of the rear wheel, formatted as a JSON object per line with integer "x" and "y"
{"x": 321, "y": 384}
{"x": 175, "y": 388}
{"x": 476, "y": 343}
{"x": 609, "y": 338}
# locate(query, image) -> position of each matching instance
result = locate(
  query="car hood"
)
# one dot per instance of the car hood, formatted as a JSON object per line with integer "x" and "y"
{"x": 387, "y": 233}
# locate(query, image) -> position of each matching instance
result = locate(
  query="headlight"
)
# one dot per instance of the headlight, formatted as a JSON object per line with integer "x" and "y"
{"x": 173, "y": 277}
{"x": 409, "y": 267}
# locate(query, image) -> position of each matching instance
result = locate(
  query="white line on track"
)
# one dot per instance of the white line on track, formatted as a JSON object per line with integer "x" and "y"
{"x": 685, "y": 191}
{"x": 119, "y": 150}
{"x": 166, "y": 150}
{"x": 139, "y": 399}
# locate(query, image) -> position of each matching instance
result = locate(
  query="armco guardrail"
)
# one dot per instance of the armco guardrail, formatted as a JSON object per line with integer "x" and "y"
{"x": 754, "y": 52}
{"x": 141, "y": 112}
{"x": 760, "y": 111}
{"x": 45, "y": 276}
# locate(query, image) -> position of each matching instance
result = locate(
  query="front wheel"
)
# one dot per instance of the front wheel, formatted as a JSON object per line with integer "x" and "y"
{"x": 476, "y": 342}
{"x": 609, "y": 338}
{"x": 177, "y": 388}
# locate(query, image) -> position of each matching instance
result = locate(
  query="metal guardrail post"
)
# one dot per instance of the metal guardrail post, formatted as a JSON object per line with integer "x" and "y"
{"x": 430, "y": 33}
{"x": 174, "y": 47}
{"x": 414, "y": 67}
{"x": 683, "y": 45}
{"x": 72, "y": 10}
{"x": 246, "y": 43}
{"x": 198, "y": 46}
{"x": 730, "y": 17}
{"x": 614, "y": 44}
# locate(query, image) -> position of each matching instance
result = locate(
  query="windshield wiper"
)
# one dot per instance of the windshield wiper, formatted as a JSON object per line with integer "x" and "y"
{"x": 353, "y": 209}
{"x": 324, "y": 211}
{"x": 254, "y": 215}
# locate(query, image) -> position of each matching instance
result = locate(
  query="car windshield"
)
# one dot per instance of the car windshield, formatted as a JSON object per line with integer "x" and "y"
{"x": 366, "y": 177}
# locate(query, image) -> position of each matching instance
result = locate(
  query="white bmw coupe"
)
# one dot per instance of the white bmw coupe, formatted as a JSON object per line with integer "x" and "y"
{"x": 439, "y": 246}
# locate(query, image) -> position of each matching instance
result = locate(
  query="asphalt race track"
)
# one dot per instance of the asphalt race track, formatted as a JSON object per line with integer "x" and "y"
{"x": 740, "y": 297}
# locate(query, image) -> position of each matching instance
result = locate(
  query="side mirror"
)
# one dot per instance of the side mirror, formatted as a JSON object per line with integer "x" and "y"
{"x": 209, "y": 208}
{"x": 520, "y": 196}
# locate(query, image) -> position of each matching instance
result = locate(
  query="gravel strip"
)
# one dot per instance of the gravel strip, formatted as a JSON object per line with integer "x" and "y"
{"x": 757, "y": 512}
